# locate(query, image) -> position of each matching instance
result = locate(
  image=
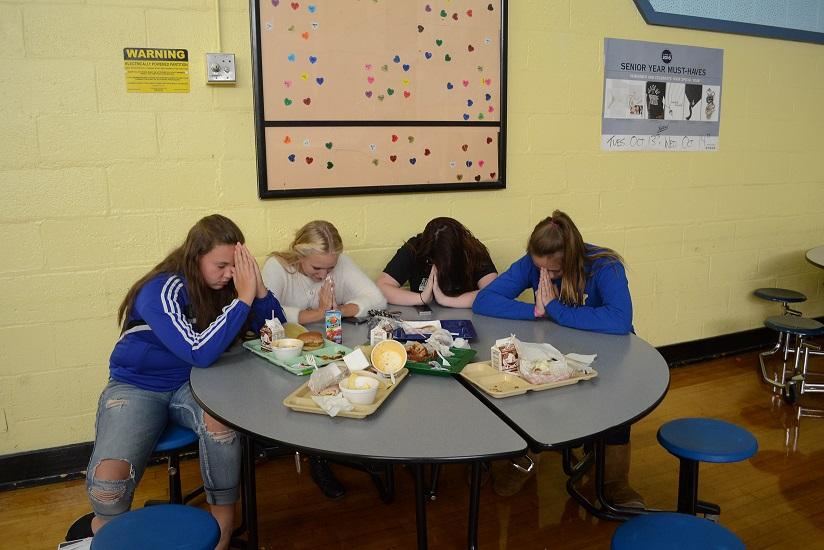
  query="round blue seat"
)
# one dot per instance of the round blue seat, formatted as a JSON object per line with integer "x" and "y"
{"x": 784, "y": 295}
{"x": 172, "y": 526}
{"x": 673, "y": 531}
{"x": 175, "y": 437}
{"x": 707, "y": 440}
{"x": 793, "y": 324}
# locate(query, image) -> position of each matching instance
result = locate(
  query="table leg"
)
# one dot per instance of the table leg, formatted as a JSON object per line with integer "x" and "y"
{"x": 249, "y": 492}
{"x": 474, "y": 506}
{"x": 420, "y": 506}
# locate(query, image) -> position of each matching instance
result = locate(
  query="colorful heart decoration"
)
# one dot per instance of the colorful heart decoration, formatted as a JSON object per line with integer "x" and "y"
{"x": 464, "y": 147}
{"x": 287, "y": 140}
{"x": 478, "y": 178}
{"x": 410, "y": 139}
{"x": 469, "y": 164}
{"x": 459, "y": 176}
{"x": 368, "y": 66}
{"x": 384, "y": 68}
{"x": 370, "y": 79}
{"x": 368, "y": 93}
{"x": 426, "y": 152}
{"x": 275, "y": 3}
{"x": 469, "y": 103}
{"x": 439, "y": 42}
{"x": 375, "y": 162}
{"x": 405, "y": 67}
{"x": 372, "y": 146}
{"x": 393, "y": 158}
{"x": 406, "y": 94}
{"x": 394, "y": 138}
{"x": 447, "y": 58}
{"x": 490, "y": 7}
{"x": 328, "y": 145}
{"x": 481, "y": 164}
{"x": 488, "y": 97}
{"x": 427, "y": 55}
{"x": 452, "y": 164}
{"x": 291, "y": 157}
{"x": 307, "y": 100}
{"x": 492, "y": 175}
{"x": 489, "y": 139}
{"x": 304, "y": 76}
{"x": 443, "y": 13}
{"x": 465, "y": 83}
{"x": 313, "y": 59}
{"x": 396, "y": 59}
{"x": 420, "y": 28}
{"x": 412, "y": 161}
{"x": 287, "y": 83}
{"x": 466, "y": 116}
{"x": 390, "y": 91}
{"x": 309, "y": 160}
{"x": 471, "y": 48}
{"x": 287, "y": 101}
{"x": 305, "y": 35}
{"x": 312, "y": 8}
{"x": 319, "y": 80}
{"x": 291, "y": 57}
{"x": 455, "y": 16}
{"x": 295, "y": 5}
{"x": 469, "y": 13}
{"x": 329, "y": 165}
{"x": 380, "y": 97}
{"x": 449, "y": 86}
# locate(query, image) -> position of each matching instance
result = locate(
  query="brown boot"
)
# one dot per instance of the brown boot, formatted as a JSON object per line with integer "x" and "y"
{"x": 616, "y": 478}
{"x": 507, "y": 479}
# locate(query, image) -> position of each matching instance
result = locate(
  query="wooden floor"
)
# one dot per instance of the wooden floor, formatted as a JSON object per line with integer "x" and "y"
{"x": 774, "y": 500}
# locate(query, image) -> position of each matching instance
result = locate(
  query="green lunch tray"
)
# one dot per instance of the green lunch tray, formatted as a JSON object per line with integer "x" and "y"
{"x": 294, "y": 365}
{"x": 457, "y": 362}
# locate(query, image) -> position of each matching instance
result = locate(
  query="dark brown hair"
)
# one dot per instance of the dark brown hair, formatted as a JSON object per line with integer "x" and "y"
{"x": 454, "y": 251}
{"x": 558, "y": 233}
{"x": 206, "y": 303}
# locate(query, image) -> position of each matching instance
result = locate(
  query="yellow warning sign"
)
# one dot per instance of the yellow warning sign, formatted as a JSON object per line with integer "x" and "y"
{"x": 156, "y": 70}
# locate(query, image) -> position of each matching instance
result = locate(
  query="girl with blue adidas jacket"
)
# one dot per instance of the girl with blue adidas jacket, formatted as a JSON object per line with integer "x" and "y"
{"x": 577, "y": 285}
{"x": 184, "y": 313}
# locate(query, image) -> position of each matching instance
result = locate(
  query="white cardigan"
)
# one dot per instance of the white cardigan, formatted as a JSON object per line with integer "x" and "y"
{"x": 297, "y": 292}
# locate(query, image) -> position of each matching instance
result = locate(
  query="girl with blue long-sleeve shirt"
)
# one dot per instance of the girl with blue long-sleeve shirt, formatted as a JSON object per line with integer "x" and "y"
{"x": 184, "y": 313}
{"x": 576, "y": 285}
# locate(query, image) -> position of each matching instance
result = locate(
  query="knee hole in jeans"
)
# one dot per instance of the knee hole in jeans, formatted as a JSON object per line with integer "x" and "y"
{"x": 115, "y": 473}
{"x": 217, "y": 431}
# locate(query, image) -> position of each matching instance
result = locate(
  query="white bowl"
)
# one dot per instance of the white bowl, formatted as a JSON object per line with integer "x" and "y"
{"x": 388, "y": 356}
{"x": 360, "y": 396}
{"x": 287, "y": 348}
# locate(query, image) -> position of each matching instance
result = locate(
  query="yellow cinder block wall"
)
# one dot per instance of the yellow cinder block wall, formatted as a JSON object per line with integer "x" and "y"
{"x": 98, "y": 184}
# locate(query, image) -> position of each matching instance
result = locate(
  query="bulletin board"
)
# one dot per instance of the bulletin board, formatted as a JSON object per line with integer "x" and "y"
{"x": 379, "y": 96}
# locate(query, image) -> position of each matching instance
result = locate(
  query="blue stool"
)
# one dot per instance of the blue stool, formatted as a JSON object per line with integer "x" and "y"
{"x": 673, "y": 531}
{"x": 802, "y": 328}
{"x": 163, "y": 526}
{"x": 174, "y": 440}
{"x": 695, "y": 440}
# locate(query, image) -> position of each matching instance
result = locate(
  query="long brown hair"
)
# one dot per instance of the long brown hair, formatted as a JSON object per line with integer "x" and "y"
{"x": 558, "y": 233}
{"x": 206, "y": 303}
{"x": 316, "y": 237}
{"x": 454, "y": 251}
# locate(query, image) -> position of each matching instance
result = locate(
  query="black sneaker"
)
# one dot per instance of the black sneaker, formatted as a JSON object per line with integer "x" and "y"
{"x": 81, "y": 528}
{"x": 324, "y": 478}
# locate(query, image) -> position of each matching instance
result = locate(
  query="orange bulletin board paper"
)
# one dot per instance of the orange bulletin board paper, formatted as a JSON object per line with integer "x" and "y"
{"x": 379, "y": 96}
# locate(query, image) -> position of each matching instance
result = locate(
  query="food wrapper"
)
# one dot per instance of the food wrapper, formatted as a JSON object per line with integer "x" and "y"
{"x": 440, "y": 341}
{"x": 544, "y": 364}
{"x": 327, "y": 376}
{"x": 333, "y": 404}
{"x": 505, "y": 354}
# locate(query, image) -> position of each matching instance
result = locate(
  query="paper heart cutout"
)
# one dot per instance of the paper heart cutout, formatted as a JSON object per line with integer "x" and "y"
{"x": 466, "y": 116}
{"x": 427, "y": 8}
{"x": 370, "y": 79}
{"x": 406, "y": 94}
{"x": 309, "y": 160}
{"x": 287, "y": 83}
{"x": 464, "y": 147}
{"x": 368, "y": 93}
{"x": 447, "y": 58}
{"x": 305, "y": 35}
{"x": 469, "y": 103}
{"x": 390, "y": 91}
{"x": 307, "y": 100}
{"x": 469, "y": 164}
{"x": 291, "y": 57}
{"x": 459, "y": 176}
{"x": 469, "y": 13}
{"x": 329, "y": 165}
{"x": 291, "y": 157}
{"x": 412, "y": 161}
{"x": 471, "y": 48}
{"x": 295, "y": 5}
{"x": 455, "y": 16}
{"x": 368, "y": 66}
{"x": 481, "y": 164}
{"x": 319, "y": 80}
{"x": 465, "y": 83}
{"x": 427, "y": 55}
{"x": 394, "y": 138}
{"x": 438, "y": 41}
{"x": 405, "y": 67}
{"x": 426, "y": 152}
{"x": 449, "y": 86}
{"x": 287, "y": 139}
{"x": 420, "y": 28}
{"x": 304, "y": 76}
{"x": 492, "y": 175}
{"x": 410, "y": 139}
{"x": 478, "y": 178}
{"x": 372, "y": 146}
{"x": 375, "y": 162}
{"x": 328, "y": 144}
{"x": 393, "y": 158}
{"x": 313, "y": 59}
{"x": 489, "y": 140}
{"x": 443, "y": 13}
{"x": 405, "y": 82}
{"x": 287, "y": 101}
{"x": 396, "y": 59}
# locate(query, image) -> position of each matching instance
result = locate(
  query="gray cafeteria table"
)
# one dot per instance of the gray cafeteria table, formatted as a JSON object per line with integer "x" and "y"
{"x": 416, "y": 425}
{"x": 816, "y": 256}
{"x": 632, "y": 379}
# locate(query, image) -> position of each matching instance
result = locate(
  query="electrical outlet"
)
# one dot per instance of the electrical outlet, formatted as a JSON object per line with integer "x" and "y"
{"x": 220, "y": 68}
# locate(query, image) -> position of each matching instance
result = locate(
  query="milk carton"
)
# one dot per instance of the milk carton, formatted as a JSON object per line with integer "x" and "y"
{"x": 271, "y": 330}
{"x": 505, "y": 355}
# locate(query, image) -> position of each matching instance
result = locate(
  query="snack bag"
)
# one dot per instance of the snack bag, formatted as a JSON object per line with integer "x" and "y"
{"x": 334, "y": 331}
{"x": 325, "y": 379}
{"x": 506, "y": 355}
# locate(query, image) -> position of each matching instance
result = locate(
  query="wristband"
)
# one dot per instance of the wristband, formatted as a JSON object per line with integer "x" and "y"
{"x": 420, "y": 295}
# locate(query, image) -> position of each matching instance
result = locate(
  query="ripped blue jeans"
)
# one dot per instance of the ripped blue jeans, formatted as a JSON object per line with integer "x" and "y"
{"x": 128, "y": 425}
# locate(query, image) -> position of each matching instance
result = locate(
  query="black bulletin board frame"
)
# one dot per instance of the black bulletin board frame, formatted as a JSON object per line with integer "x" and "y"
{"x": 261, "y": 124}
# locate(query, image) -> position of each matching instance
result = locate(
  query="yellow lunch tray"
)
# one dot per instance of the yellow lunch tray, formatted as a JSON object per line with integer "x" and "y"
{"x": 301, "y": 399}
{"x": 503, "y": 384}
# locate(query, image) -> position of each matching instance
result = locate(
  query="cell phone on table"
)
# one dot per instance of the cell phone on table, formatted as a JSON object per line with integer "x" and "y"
{"x": 423, "y": 310}
{"x": 355, "y": 320}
